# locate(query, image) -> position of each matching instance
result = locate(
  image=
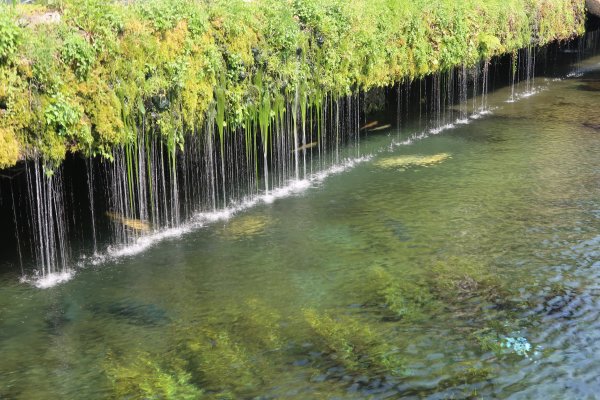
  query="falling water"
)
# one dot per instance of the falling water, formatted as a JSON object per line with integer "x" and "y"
{"x": 16, "y": 223}
{"x": 153, "y": 184}
{"x": 90, "y": 187}
{"x": 47, "y": 216}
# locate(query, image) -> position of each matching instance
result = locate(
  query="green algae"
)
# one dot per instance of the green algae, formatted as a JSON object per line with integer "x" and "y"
{"x": 178, "y": 61}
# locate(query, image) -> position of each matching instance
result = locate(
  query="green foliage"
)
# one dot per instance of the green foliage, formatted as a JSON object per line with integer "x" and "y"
{"x": 77, "y": 53}
{"x": 10, "y": 34}
{"x": 202, "y": 58}
{"x": 62, "y": 116}
{"x": 64, "y": 127}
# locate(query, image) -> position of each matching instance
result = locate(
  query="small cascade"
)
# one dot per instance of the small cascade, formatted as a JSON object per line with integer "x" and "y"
{"x": 16, "y": 227}
{"x": 90, "y": 186}
{"x": 530, "y": 69}
{"x": 514, "y": 68}
{"x": 47, "y": 217}
{"x": 484, "y": 86}
{"x": 463, "y": 94}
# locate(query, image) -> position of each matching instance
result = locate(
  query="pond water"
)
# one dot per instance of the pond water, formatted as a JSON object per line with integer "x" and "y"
{"x": 464, "y": 264}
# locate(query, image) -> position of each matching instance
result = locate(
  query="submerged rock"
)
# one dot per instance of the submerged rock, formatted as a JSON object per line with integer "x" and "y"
{"x": 131, "y": 223}
{"x": 371, "y": 124}
{"x": 246, "y": 226}
{"x": 403, "y": 162}
{"x": 380, "y": 128}
{"x": 308, "y": 146}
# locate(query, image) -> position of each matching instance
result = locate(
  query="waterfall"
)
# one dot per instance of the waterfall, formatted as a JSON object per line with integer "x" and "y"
{"x": 47, "y": 216}
{"x": 153, "y": 183}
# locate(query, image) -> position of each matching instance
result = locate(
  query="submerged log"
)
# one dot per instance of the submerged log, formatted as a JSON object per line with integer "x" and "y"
{"x": 593, "y": 7}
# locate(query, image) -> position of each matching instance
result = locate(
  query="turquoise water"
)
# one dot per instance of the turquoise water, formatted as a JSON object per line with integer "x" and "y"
{"x": 464, "y": 264}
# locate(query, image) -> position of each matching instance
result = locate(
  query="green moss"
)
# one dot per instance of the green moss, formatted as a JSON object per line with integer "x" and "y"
{"x": 178, "y": 61}
{"x": 9, "y": 148}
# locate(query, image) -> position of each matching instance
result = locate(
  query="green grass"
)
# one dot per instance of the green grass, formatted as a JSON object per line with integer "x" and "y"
{"x": 107, "y": 65}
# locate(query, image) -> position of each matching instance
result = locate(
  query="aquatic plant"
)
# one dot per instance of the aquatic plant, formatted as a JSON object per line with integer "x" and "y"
{"x": 260, "y": 326}
{"x": 502, "y": 339}
{"x": 400, "y": 298}
{"x": 456, "y": 279}
{"x": 143, "y": 377}
{"x": 218, "y": 362}
{"x": 354, "y": 344}
{"x": 467, "y": 373}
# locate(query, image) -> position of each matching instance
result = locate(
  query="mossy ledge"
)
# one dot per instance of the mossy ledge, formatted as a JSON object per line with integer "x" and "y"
{"x": 82, "y": 76}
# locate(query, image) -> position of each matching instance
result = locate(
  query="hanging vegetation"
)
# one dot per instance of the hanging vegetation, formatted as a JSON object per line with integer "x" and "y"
{"x": 81, "y": 75}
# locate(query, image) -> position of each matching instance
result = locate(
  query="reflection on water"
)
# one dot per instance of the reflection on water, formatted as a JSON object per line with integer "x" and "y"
{"x": 476, "y": 276}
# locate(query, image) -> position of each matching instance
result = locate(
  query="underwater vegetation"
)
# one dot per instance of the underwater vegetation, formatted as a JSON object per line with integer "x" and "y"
{"x": 84, "y": 76}
{"x": 354, "y": 344}
{"x": 395, "y": 297}
{"x": 458, "y": 278}
{"x": 242, "y": 352}
{"x": 142, "y": 377}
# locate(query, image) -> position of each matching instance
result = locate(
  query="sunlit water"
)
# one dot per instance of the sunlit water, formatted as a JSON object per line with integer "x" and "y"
{"x": 489, "y": 235}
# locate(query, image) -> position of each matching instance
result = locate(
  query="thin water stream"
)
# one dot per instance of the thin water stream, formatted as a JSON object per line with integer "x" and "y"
{"x": 447, "y": 263}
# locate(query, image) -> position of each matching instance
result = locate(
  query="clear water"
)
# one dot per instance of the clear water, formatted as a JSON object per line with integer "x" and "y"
{"x": 384, "y": 280}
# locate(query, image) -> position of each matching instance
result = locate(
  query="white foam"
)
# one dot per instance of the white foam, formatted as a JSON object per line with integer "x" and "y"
{"x": 526, "y": 94}
{"x": 48, "y": 280}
